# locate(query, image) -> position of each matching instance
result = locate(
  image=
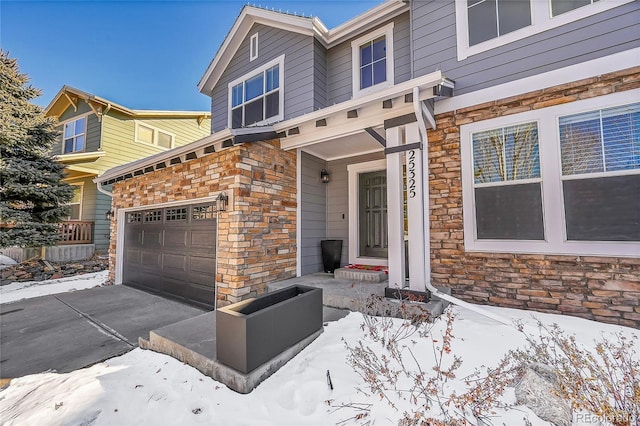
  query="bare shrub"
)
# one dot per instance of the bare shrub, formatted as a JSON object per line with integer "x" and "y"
{"x": 395, "y": 372}
{"x": 605, "y": 382}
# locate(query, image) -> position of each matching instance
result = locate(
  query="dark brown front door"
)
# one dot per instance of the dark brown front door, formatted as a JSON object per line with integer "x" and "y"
{"x": 172, "y": 251}
{"x": 373, "y": 231}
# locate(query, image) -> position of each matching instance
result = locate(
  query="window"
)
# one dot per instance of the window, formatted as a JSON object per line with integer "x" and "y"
{"x": 594, "y": 146}
{"x": 482, "y": 25}
{"x": 76, "y": 203}
{"x": 507, "y": 189}
{"x": 492, "y": 18}
{"x": 172, "y": 215}
{"x": 257, "y": 99}
{"x": 563, "y": 179}
{"x": 74, "y": 135}
{"x": 559, "y": 7}
{"x": 372, "y": 61}
{"x": 153, "y": 216}
{"x": 152, "y": 136}
{"x": 253, "y": 47}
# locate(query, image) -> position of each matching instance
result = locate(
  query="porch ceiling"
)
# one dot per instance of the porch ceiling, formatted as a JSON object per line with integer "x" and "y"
{"x": 346, "y": 146}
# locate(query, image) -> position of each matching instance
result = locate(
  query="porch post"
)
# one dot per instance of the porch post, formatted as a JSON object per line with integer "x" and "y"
{"x": 415, "y": 210}
{"x": 395, "y": 210}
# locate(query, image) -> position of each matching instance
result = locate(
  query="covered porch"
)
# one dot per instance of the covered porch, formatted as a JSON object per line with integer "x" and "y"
{"x": 363, "y": 179}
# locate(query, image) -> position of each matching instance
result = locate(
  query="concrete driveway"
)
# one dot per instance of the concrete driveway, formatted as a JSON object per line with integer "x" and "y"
{"x": 67, "y": 331}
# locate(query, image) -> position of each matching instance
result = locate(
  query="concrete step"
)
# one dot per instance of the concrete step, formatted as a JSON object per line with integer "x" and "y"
{"x": 360, "y": 275}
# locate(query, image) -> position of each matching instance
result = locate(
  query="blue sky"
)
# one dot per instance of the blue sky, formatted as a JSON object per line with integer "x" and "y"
{"x": 141, "y": 54}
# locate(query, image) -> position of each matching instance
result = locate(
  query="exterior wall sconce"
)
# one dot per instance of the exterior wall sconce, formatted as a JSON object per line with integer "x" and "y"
{"x": 109, "y": 215}
{"x": 221, "y": 202}
{"x": 324, "y": 176}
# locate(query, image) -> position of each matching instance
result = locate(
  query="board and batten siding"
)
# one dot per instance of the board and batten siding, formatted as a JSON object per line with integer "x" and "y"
{"x": 339, "y": 77}
{"x": 298, "y": 71}
{"x": 314, "y": 214}
{"x": 92, "y": 141}
{"x": 599, "y": 35}
{"x": 338, "y": 199}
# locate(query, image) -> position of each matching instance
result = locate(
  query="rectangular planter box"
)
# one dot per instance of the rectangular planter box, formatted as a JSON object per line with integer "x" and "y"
{"x": 251, "y": 332}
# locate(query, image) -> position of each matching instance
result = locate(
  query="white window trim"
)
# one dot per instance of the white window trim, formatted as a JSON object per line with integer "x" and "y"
{"x": 277, "y": 61}
{"x": 86, "y": 126}
{"x": 81, "y": 185}
{"x": 386, "y": 31}
{"x": 551, "y": 173}
{"x": 541, "y": 20}
{"x": 155, "y": 136}
{"x": 353, "y": 171}
{"x": 253, "y": 53}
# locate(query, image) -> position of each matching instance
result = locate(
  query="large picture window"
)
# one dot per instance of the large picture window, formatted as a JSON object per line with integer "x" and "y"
{"x": 257, "y": 99}
{"x": 74, "y": 135}
{"x": 561, "y": 180}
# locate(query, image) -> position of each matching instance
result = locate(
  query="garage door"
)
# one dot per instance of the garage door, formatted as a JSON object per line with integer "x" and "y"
{"x": 172, "y": 251}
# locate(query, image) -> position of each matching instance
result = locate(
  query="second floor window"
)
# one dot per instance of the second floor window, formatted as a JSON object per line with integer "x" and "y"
{"x": 257, "y": 99}
{"x": 372, "y": 61}
{"x": 74, "y": 135}
{"x": 153, "y": 136}
{"x": 492, "y": 18}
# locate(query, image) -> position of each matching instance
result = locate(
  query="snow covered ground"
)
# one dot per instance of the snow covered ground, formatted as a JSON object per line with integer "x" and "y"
{"x": 143, "y": 387}
{"x": 25, "y": 290}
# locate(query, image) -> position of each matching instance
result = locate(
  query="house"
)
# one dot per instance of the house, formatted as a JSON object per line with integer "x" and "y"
{"x": 96, "y": 135}
{"x": 499, "y": 142}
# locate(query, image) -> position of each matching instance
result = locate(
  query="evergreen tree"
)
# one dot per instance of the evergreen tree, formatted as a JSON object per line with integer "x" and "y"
{"x": 33, "y": 197}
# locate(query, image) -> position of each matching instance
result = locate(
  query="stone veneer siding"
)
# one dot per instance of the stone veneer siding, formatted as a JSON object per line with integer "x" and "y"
{"x": 257, "y": 233}
{"x": 606, "y": 289}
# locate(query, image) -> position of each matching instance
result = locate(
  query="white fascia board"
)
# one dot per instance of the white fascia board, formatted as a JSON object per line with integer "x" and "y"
{"x": 164, "y": 156}
{"x": 428, "y": 80}
{"x": 177, "y": 114}
{"x": 79, "y": 156}
{"x": 366, "y": 21}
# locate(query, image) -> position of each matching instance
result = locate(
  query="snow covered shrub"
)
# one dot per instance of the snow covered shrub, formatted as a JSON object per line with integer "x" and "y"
{"x": 605, "y": 381}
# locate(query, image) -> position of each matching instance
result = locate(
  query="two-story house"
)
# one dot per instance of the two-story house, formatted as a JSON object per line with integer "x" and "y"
{"x": 96, "y": 135}
{"x": 498, "y": 141}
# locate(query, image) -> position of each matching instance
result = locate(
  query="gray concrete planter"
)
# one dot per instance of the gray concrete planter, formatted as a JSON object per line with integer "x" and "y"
{"x": 251, "y": 332}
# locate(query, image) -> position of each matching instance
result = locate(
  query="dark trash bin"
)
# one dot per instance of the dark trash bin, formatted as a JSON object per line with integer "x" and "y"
{"x": 331, "y": 254}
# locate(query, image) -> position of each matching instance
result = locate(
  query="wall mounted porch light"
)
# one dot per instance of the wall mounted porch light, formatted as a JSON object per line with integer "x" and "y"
{"x": 109, "y": 214}
{"x": 324, "y": 176}
{"x": 221, "y": 202}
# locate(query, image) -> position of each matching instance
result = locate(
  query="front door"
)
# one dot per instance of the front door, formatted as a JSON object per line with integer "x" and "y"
{"x": 373, "y": 236}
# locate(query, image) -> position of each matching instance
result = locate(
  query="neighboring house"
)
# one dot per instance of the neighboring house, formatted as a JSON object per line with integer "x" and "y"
{"x": 96, "y": 135}
{"x": 515, "y": 131}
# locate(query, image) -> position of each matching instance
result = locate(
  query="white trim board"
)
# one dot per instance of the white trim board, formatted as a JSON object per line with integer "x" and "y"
{"x": 607, "y": 64}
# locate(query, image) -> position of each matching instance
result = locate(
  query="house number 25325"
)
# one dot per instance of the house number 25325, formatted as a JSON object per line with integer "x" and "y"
{"x": 411, "y": 174}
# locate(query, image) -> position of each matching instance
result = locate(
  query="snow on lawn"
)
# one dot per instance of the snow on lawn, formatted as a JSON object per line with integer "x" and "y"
{"x": 18, "y": 291}
{"x": 143, "y": 387}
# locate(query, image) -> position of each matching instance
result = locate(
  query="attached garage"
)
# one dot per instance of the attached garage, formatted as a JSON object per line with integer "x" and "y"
{"x": 172, "y": 251}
